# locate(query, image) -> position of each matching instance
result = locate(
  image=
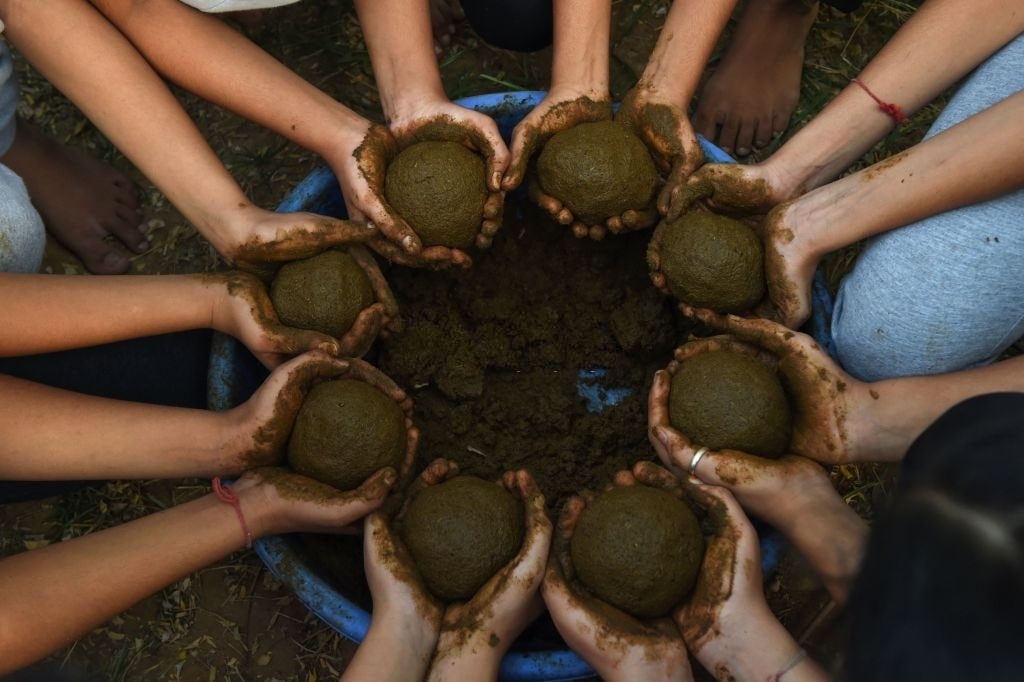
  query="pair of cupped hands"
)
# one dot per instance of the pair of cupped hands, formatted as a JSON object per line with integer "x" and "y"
{"x": 541, "y": 576}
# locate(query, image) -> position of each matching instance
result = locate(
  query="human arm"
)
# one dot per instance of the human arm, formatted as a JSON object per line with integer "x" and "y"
{"x": 223, "y": 66}
{"x": 416, "y": 109}
{"x": 837, "y": 418}
{"x": 52, "y": 596}
{"x": 911, "y": 70}
{"x": 48, "y": 313}
{"x": 656, "y": 108}
{"x": 92, "y": 63}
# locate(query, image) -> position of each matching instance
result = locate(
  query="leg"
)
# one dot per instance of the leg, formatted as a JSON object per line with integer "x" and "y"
{"x": 520, "y": 25}
{"x": 754, "y": 90}
{"x": 941, "y": 294}
{"x": 81, "y": 199}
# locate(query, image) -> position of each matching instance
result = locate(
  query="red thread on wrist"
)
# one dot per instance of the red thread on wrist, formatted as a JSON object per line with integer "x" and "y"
{"x": 890, "y": 109}
{"x": 225, "y": 495}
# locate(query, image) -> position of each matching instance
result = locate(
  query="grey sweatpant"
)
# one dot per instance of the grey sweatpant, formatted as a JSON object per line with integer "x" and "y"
{"x": 22, "y": 233}
{"x": 945, "y": 293}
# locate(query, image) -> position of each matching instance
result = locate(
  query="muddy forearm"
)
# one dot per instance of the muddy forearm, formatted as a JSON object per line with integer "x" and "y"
{"x": 581, "y": 43}
{"x": 683, "y": 48}
{"x": 911, "y": 70}
{"x": 832, "y": 538}
{"x": 376, "y": 658}
{"x": 400, "y": 43}
{"x": 968, "y": 163}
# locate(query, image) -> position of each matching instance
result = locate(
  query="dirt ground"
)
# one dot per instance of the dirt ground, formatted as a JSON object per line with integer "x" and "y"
{"x": 233, "y": 620}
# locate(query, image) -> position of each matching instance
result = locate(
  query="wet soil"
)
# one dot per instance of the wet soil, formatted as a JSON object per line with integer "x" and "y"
{"x": 492, "y": 356}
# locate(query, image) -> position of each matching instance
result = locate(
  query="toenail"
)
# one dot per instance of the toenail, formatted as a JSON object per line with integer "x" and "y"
{"x": 143, "y": 245}
{"x": 742, "y": 151}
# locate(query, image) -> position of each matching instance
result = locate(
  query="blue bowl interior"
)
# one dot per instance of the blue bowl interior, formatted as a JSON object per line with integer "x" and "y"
{"x": 235, "y": 375}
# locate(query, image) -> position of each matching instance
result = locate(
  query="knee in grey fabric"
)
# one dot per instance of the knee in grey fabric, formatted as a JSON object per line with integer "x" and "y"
{"x": 945, "y": 293}
{"x": 22, "y": 233}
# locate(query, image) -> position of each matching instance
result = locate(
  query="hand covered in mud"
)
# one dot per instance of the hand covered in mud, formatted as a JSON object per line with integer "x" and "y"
{"x": 263, "y": 423}
{"x": 243, "y": 310}
{"x": 277, "y": 500}
{"x": 445, "y": 121}
{"x": 665, "y": 128}
{"x": 788, "y": 266}
{"x": 617, "y": 645}
{"x": 486, "y": 626}
{"x": 558, "y": 111}
{"x": 273, "y": 239}
{"x": 726, "y": 623}
{"x": 830, "y": 407}
{"x": 731, "y": 187}
{"x": 379, "y": 319}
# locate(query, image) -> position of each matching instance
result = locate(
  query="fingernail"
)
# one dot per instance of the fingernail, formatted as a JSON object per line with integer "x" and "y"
{"x": 496, "y": 179}
{"x": 407, "y": 242}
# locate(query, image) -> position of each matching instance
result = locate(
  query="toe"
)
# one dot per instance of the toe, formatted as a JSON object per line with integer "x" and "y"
{"x": 730, "y": 129}
{"x": 763, "y": 132}
{"x": 745, "y": 136}
{"x": 125, "y": 226}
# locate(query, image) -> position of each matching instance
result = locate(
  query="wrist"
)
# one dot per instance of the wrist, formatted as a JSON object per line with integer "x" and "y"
{"x": 467, "y": 654}
{"x": 757, "y": 650}
{"x": 416, "y": 637}
{"x": 655, "y": 84}
{"x": 409, "y": 100}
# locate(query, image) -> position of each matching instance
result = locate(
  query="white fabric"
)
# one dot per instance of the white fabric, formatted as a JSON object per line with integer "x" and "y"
{"x": 235, "y": 5}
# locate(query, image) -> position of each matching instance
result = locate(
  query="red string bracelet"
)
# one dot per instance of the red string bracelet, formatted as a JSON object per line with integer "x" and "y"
{"x": 892, "y": 110}
{"x": 225, "y": 495}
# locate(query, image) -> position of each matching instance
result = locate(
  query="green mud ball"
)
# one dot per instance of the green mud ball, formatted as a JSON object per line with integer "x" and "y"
{"x": 324, "y": 293}
{"x": 722, "y": 399}
{"x": 639, "y": 549}
{"x": 439, "y": 188}
{"x": 711, "y": 261}
{"x": 460, "y": 533}
{"x": 345, "y": 431}
{"x": 598, "y": 170}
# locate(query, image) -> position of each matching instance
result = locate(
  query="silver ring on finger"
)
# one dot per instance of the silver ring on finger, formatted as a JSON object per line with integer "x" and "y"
{"x": 695, "y": 460}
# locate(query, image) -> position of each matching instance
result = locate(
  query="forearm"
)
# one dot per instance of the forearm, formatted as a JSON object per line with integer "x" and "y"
{"x": 731, "y": 657}
{"x": 53, "y": 595}
{"x": 394, "y": 649}
{"x": 88, "y": 60}
{"x": 579, "y": 61}
{"x": 831, "y": 538}
{"x": 684, "y": 46}
{"x": 466, "y": 657}
{"x": 911, "y": 70}
{"x": 400, "y": 43}
{"x": 965, "y": 164}
{"x": 52, "y": 434}
{"x": 224, "y": 67}
{"x": 46, "y": 313}
{"x": 905, "y": 407}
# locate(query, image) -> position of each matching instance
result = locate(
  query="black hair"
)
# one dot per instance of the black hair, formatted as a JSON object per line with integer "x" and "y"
{"x": 940, "y": 594}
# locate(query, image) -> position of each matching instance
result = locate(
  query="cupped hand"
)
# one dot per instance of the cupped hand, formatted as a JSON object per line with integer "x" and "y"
{"x": 488, "y": 624}
{"x": 263, "y": 423}
{"x": 282, "y": 501}
{"x": 665, "y": 128}
{"x": 379, "y": 319}
{"x": 727, "y": 615}
{"x": 789, "y": 265}
{"x": 831, "y": 409}
{"x": 730, "y": 187}
{"x": 264, "y": 240}
{"x": 446, "y": 121}
{"x": 243, "y": 309}
{"x": 617, "y": 645}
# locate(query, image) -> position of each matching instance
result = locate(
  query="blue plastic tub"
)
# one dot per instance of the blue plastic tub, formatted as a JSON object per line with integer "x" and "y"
{"x": 234, "y": 377}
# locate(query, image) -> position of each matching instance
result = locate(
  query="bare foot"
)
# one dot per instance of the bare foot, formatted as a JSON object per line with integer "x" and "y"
{"x": 754, "y": 90}
{"x": 444, "y": 16}
{"x": 82, "y": 200}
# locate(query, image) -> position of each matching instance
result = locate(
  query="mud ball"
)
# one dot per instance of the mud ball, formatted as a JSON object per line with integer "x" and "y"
{"x": 345, "y": 431}
{"x": 439, "y": 188}
{"x": 325, "y": 293}
{"x": 639, "y": 549}
{"x": 723, "y": 399}
{"x": 598, "y": 170}
{"x": 711, "y": 261}
{"x": 460, "y": 533}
